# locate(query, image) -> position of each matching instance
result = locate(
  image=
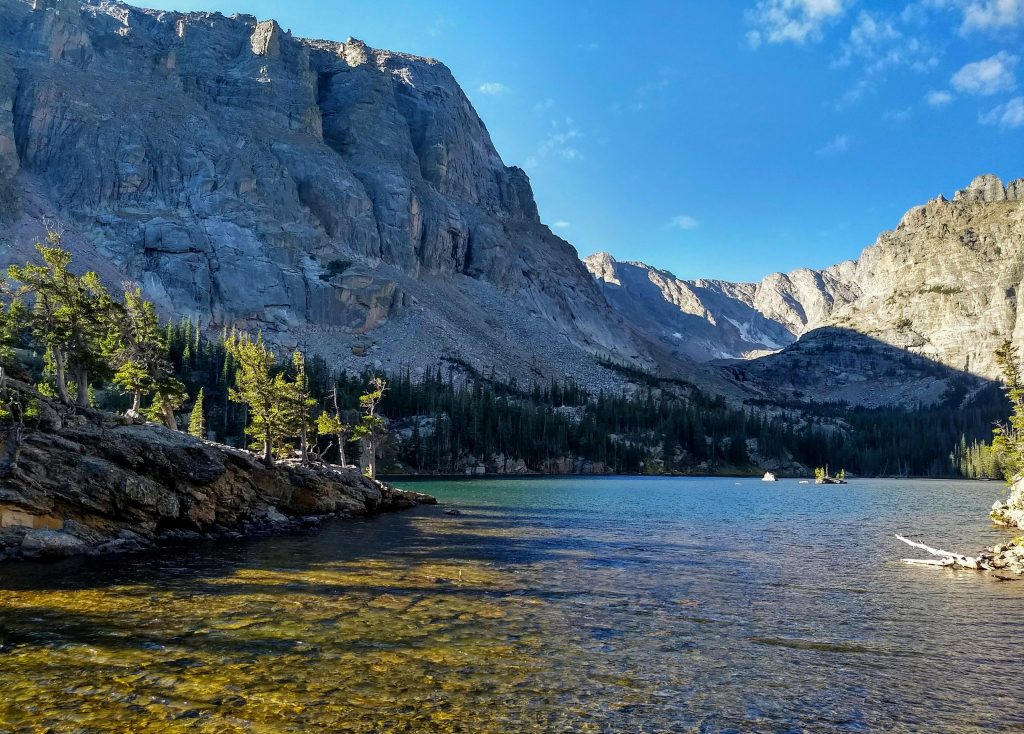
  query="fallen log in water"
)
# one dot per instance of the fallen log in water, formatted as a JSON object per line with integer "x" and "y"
{"x": 953, "y": 560}
{"x": 1007, "y": 557}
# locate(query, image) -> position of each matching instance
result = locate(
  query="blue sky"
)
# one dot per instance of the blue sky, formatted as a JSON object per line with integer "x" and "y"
{"x": 724, "y": 139}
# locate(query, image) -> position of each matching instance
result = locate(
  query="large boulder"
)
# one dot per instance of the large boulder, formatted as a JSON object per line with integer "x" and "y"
{"x": 1011, "y": 512}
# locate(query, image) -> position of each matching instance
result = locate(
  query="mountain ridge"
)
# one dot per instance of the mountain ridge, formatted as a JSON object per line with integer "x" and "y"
{"x": 332, "y": 195}
{"x": 944, "y": 284}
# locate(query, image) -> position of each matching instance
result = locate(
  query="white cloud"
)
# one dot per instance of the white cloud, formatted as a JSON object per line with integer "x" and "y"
{"x": 854, "y": 94}
{"x": 987, "y": 15}
{"x": 493, "y": 88}
{"x": 879, "y": 43}
{"x": 938, "y": 98}
{"x": 561, "y": 224}
{"x": 558, "y": 143}
{"x": 683, "y": 221}
{"x": 650, "y": 89}
{"x": 543, "y": 106}
{"x": 795, "y": 21}
{"x": 1009, "y": 115}
{"x": 900, "y": 115}
{"x": 836, "y": 146}
{"x": 988, "y": 76}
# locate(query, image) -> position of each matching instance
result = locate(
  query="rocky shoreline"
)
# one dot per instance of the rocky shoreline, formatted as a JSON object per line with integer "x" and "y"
{"x": 88, "y": 482}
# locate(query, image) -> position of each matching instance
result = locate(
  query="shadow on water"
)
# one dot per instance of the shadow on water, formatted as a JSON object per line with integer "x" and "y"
{"x": 576, "y": 608}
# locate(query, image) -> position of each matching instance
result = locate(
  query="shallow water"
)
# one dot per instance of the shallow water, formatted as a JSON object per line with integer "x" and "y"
{"x": 550, "y": 605}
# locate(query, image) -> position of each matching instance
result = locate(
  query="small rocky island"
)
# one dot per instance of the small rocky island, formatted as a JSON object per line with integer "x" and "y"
{"x": 92, "y": 482}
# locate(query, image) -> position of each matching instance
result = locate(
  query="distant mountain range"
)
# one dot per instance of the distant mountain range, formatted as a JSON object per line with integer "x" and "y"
{"x": 350, "y": 200}
{"x": 944, "y": 285}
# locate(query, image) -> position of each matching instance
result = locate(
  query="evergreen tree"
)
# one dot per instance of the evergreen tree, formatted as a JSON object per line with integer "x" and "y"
{"x": 197, "y": 420}
{"x": 260, "y": 385}
{"x": 1008, "y": 438}
{"x": 300, "y": 404}
{"x": 69, "y": 317}
{"x": 137, "y": 347}
{"x": 371, "y": 427}
{"x": 168, "y": 395}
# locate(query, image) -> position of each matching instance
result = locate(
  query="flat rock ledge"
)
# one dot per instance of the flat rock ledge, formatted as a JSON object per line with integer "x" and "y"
{"x": 96, "y": 483}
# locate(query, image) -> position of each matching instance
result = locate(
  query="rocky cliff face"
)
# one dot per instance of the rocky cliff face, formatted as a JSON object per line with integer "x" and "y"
{"x": 946, "y": 283}
{"x": 713, "y": 319}
{"x": 334, "y": 195}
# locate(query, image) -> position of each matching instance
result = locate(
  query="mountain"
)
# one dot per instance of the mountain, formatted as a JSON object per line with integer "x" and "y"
{"x": 349, "y": 200}
{"x": 921, "y": 311}
{"x": 713, "y": 319}
{"x": 332, "y": 195}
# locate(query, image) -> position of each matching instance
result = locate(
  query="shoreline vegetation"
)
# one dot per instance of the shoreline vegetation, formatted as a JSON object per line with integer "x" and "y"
{"x": 77, "y": 363}
{"x": 1006, "y": 453}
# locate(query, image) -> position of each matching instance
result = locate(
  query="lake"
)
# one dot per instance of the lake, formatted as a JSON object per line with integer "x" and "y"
{"x": 549, "y": 605}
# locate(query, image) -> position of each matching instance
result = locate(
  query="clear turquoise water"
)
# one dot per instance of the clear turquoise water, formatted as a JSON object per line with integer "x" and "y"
{"x": 549, "y": 605}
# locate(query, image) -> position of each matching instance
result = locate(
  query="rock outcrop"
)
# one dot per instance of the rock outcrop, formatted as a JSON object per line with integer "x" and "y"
{"x": 1010, "y": 513}
{"x": 331, "y": 194}
{"x": 95, "y": 482}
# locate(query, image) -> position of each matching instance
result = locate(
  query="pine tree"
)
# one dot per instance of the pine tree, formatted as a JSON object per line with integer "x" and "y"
{"x": 269, "y": 396}
{"x": 1008, "y": 438}
{"x": 137, "y": 347}
{"x": 300, "y": 404}
{"x": 168, "y": 395}
{"x": 69, "y": 316}
{"x": 371, "y": 427}
{"x": 197, "y": 421}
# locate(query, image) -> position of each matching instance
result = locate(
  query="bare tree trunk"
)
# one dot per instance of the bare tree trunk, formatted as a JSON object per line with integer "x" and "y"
{"x": 169, "y": 420}
{"x": 82, "y": 378}
{"x": 371, "y": 464}
{"x": 136, "y": 400}
{"x": 15, "y": 438}
{"x": 341, "y": 434}
{"x": 304, "y": 445}
{"x": 60, "y": 376}
{"x": 268, "y": 454}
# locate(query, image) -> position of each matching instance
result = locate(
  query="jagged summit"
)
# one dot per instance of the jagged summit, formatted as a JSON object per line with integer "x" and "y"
{"x": 945, "y": 284}
{"x": 337, "y": 196}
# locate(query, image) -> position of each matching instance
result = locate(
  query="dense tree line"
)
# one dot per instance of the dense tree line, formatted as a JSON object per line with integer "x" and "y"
{"x": 92, "y": 348}
{"x": 446, "y": 420}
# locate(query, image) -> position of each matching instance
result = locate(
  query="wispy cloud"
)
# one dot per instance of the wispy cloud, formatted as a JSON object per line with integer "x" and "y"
{"x": 591, "y": 46}
{"x": 938, "y": 98}
{"x": 437, "y": 27}
{"x": 561, "y": 224}
{"x": 683, "y": 221}
{"x": 989, "y": 15}
{"x": 493, "y": 88}
{"x": 543, "y": 106}
{"x": 836, "y": 146}
{"x": 643, "y": 94}
{"x": 559, "y": 142}
{"x": 988, "y": 76}
{"x": 879, "y": 43}
{"x": 792, "y": 21}
{"x": 900, "y": 115}
{"x": 1006, "y": 116}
